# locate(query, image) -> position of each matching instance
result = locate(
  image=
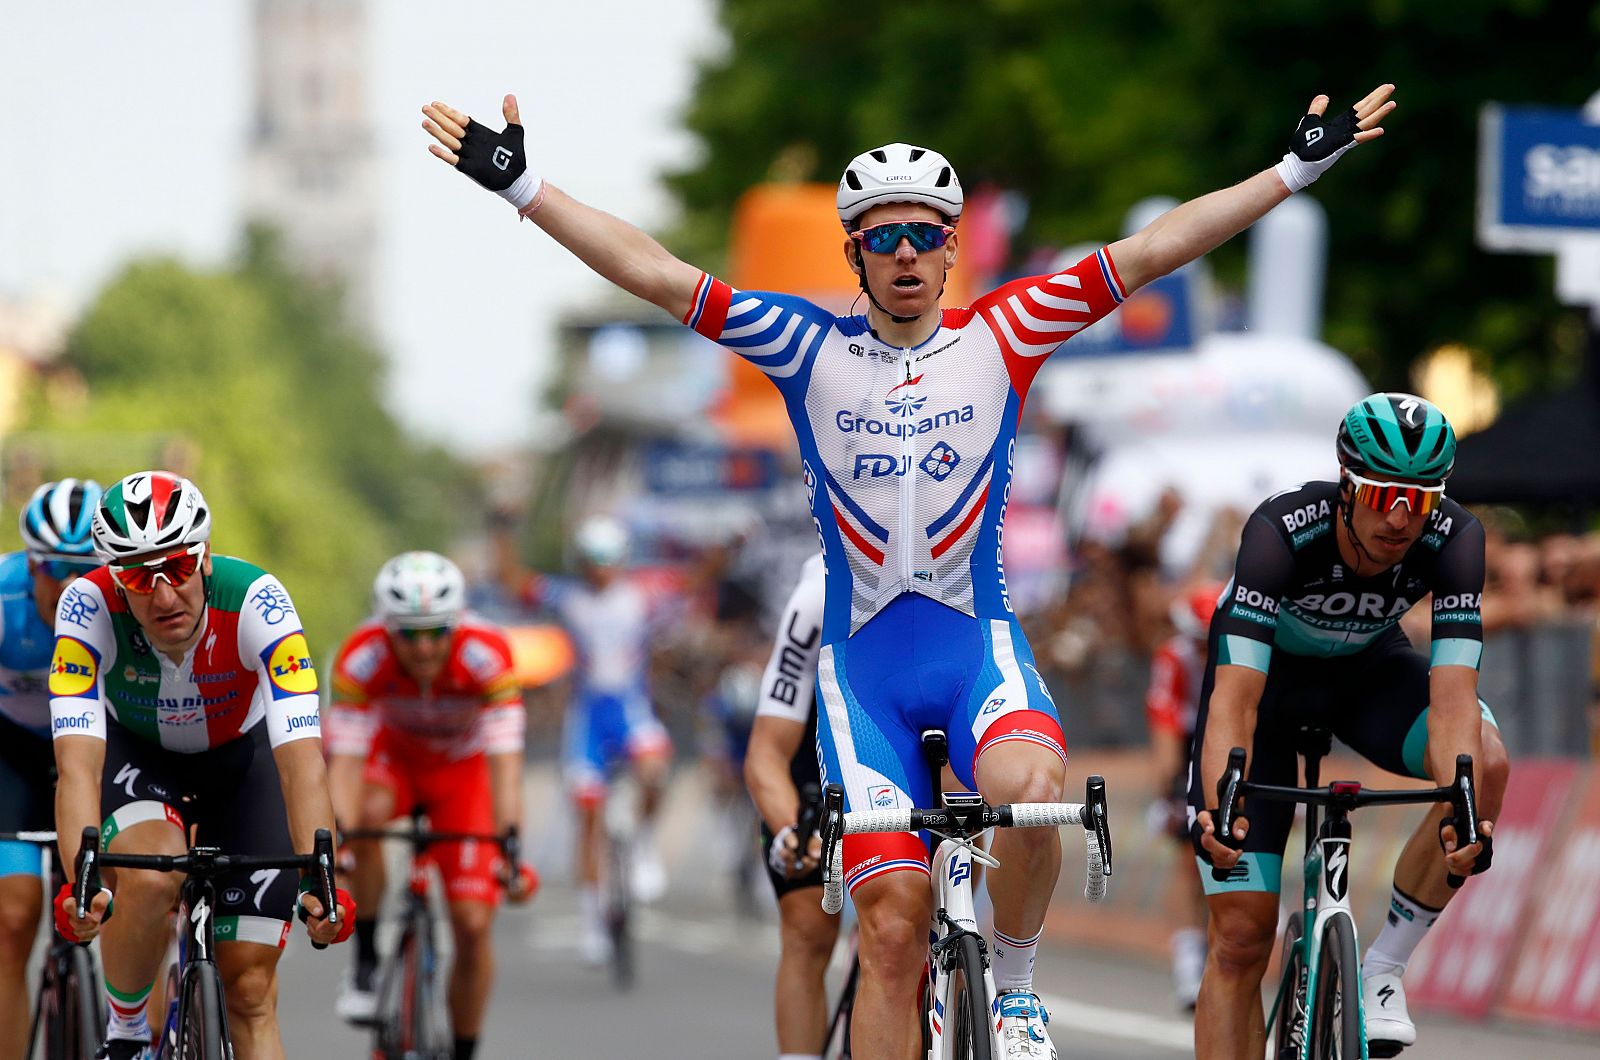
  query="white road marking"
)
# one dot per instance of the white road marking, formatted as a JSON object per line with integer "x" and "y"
{"x": 1130, "y": 1026}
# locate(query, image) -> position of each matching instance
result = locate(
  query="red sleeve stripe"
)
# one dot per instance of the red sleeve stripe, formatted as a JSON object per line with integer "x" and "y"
{"x": 708, "y": 313}
{"x": 1108, "y": 269}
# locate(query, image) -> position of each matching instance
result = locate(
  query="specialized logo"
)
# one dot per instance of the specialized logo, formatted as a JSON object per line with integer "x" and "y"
{"x": 1385, "y": 994}
{"x": 940, "y": 461}
{"x": 264, "y": 879}
{"x": 290, "y": 668}
{"x": 78, "y": 606}
{"x": 501, "y": 157}
{"x": 905, "y": 405}
{"x": 72, "y": 671}
{"x": 1409, "y": 409}
{"x": 881, "y": 465}
{"x": 1334, "y": 872}
{"x": 883, "y": 797}
{"x": 126, "y": 776}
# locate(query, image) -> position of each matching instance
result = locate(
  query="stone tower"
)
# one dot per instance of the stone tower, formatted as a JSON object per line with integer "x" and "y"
{"x": 310, "y": 170}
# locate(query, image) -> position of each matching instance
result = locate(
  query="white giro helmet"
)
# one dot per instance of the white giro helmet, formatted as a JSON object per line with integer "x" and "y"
{"x": 417, "y": 590}
{"x": 601, "y": 541}
{"x": 898, "y": 173}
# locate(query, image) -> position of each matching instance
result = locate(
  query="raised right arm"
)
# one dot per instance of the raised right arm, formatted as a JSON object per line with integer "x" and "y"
{"x": 612, "y": 247}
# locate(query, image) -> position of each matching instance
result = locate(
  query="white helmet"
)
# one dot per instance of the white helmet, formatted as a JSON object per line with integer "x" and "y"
{"x": 148, "y": 512}
{"x": 416, "y": 590}
{"x": 601, "y": 540}
{"x": 898, "y": 173}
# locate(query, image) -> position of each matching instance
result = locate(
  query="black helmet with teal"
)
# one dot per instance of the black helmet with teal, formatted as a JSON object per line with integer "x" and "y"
{"x": 1397, "y": 436}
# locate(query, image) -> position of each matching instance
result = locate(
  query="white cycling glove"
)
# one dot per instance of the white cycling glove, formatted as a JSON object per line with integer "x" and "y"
{"x": 1318, "y": 143}
{"x": 779, "y": 856}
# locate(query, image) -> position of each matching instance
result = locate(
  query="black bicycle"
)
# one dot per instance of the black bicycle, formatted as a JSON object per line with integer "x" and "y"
{"x": 69, "y": 1016}
{"x": 1317, "y": 1014}
{"x": 199, "y": 1030}
{"x": 410, "y": 1021}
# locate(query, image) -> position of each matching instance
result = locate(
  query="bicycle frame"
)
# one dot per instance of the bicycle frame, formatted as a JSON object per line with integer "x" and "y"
{"x": 956, "y": 916}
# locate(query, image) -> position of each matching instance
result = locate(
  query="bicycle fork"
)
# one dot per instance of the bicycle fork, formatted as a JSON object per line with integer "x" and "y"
{"x": 1327, "y": 896}
{"x": 955, "y": 918}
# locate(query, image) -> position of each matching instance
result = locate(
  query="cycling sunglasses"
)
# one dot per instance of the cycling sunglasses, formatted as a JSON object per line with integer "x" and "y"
{"x": 62, "y": 569}
{"x": 1383, "y": 496}
{"x": 175, "y": 567}
{"x": 884, "y": 238}
{"x": 421, "y": 633}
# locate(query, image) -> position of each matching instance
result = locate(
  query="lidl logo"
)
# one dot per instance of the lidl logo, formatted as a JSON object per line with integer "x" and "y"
{"x": 290, "y": 667}
{"x": 72, "y": 671}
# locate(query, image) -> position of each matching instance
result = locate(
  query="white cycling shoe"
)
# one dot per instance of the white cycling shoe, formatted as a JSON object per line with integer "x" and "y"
{"x": 357, "y": 1002}
{"x": 1022, "y": 1027}
{"x": 649, "y": 882}
{"x": 1383, "y": 1003}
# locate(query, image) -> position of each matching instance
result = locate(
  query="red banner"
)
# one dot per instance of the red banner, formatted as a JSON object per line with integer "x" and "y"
{"x": 1557, "y": 978}
{"x": 1461, "y": 966}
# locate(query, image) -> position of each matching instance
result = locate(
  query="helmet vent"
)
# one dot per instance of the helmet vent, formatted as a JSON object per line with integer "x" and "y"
{"x": 916, "y": 153}
{"x": 881, "y": 156}
{"x": 944, "y": 178}
{"x": 851, "y": 179}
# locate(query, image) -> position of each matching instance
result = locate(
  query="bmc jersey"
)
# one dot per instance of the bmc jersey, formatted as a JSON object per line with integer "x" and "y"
{"x": 26, "y": 646}
{"x": 789, "y": 683}
{"x": 249, "y": 664}
{"x": 1292, "y": 591}
{"x": 907, "y": 453}
{"x": 474, "y": 707}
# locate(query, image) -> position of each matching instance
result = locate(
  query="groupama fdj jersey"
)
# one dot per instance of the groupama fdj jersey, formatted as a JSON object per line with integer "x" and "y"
{"x": 250, "y": 664}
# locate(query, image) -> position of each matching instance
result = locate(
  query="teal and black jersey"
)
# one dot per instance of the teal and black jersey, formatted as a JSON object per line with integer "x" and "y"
{"x": 1292, "y": 591}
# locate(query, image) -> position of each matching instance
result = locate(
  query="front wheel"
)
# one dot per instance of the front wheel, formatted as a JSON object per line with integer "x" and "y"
{"x": 969, "y": 1005}
{"x": 1336, "y": 1032}
{"x": 1289, "y": 1012}
{"x": 85, "y": 1014}
{"x": 202, "y": 1015}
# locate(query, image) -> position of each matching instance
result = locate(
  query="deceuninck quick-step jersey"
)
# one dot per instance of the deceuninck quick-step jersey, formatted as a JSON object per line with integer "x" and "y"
{"x": 907, "y": 453}
{"x": 249, "y": 665}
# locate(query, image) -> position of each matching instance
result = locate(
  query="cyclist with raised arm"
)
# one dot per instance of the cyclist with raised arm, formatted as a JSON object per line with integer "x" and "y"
{"x": 427, "y": 712}
{"x": 906, "y": 418}
{"x": 1308, "y": 633}
{"x": 56, "y": 548}
{"x": 610, "y": 718}
{"x": 780, "y": 762}
{"x": 184, "y": 680}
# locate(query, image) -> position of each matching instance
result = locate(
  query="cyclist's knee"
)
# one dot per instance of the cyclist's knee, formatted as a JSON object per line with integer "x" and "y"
{"x": 808, "y": 934}
{"x": 19, "y": 923}
{"x": 150, "y": 893}
{"x": 251, "y": 984}
{"x": 1243, "y": 931}
{"x": 1021, "y": 772}
{"x": 470, "y": 923}
{"x": 893, "y": 910}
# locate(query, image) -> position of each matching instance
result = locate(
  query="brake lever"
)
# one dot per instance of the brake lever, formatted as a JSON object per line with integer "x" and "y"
{"x": 1463, "y": 800}
{"x": 1099, "y": 814}
{"x": 1227, "y": 797}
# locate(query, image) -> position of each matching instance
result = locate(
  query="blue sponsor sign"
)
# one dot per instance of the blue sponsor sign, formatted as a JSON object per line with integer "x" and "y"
{"x": 674, "y": 468}
{"x": 1158, "y": 316}
{"x": 1538, "y": 177}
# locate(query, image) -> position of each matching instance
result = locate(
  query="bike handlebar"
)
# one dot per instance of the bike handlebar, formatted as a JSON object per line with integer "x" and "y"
{"x": 206, "y": 862}
{"x": 967, "y": 820}
{"x": 1343, "y": 795}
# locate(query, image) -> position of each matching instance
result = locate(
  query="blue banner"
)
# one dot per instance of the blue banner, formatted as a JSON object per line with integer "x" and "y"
{"x": 675, "y": 468}
{"x": 1539, "y": 177}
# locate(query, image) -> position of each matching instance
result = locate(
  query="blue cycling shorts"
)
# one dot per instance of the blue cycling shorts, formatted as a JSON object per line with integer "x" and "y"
{"x": 603, "y": 729}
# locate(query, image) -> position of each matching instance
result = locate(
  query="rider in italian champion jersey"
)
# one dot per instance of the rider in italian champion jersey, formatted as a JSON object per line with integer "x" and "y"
{"x": 1308, "y": 632}
{"x": 57, "y": 547}
{"x": 427, "y": 712}
{"x": 906, "y": 421}
{"x": 183, "y": 680}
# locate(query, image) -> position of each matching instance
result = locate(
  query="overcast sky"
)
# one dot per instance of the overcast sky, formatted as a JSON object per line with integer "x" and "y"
{"x": 125, "y": 130}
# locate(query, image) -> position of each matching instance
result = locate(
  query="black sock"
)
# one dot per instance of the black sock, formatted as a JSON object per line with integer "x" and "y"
{"x": 465, "y": 1047}
{"x": 366, "y": 946}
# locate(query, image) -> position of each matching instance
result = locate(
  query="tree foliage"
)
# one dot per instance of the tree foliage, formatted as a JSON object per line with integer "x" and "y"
{"x": 250, "y": 375}
{"x": 1086, "y": 108}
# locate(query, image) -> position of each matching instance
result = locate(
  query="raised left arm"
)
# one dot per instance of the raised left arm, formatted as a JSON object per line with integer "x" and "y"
{"x": 1199, "y": 226}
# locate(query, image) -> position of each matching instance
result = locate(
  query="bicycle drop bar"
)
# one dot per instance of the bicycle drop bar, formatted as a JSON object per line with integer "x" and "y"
{"x": 206, "y": 862}
{"x": 964, "y": 819}
{"x": 1345, "y": 795}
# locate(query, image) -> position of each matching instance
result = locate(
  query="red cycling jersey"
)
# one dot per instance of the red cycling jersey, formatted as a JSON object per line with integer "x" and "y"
{"x": 1174, "y": 693}
{"x": 475, "y": 707}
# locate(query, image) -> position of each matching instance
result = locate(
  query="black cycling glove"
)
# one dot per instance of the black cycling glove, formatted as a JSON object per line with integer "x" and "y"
{"x": 1318, "y": 142}
{"x": 497, "y": 161}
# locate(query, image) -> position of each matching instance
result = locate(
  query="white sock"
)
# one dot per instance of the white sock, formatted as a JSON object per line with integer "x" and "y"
{"x": 1013, "y": 961}
{"x": 1189, "y": 940}
{"x": 589, "y": 907}
{"x": 1408, "y": 921}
